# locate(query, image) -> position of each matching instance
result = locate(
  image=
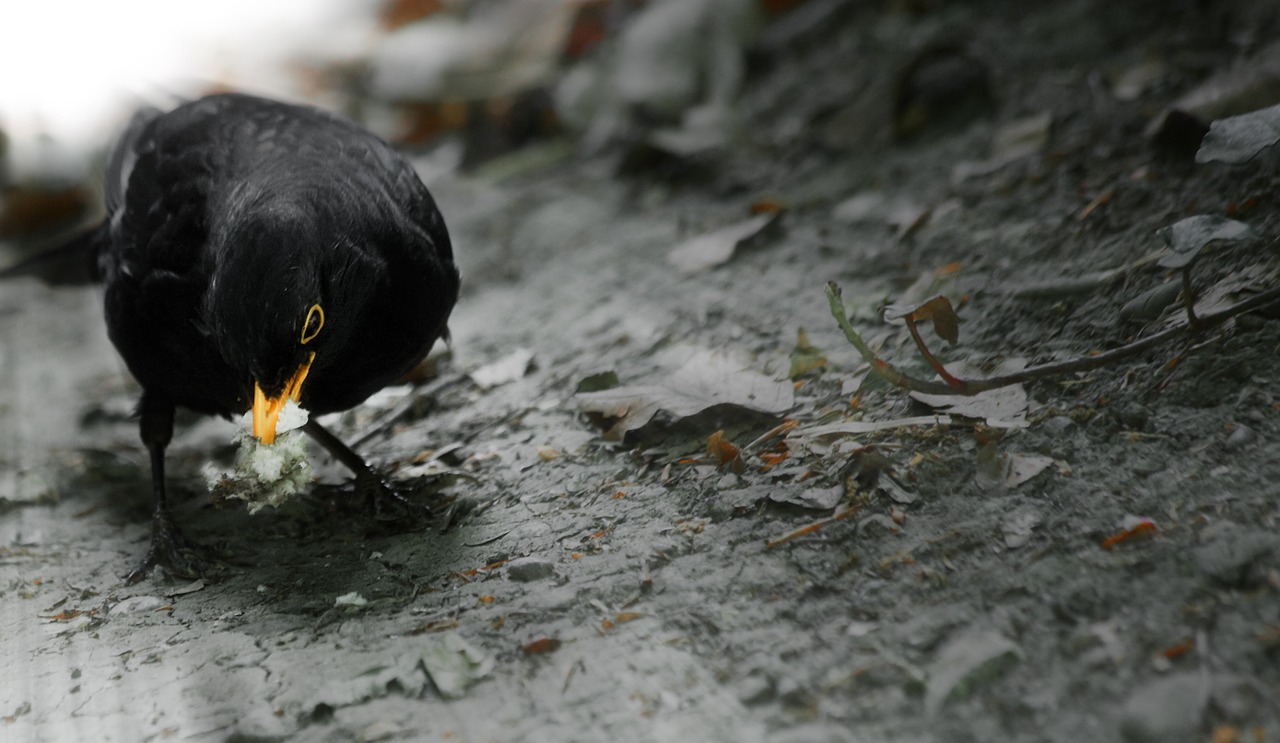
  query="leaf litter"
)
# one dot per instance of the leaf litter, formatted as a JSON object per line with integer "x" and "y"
{"x": 1240, "y": 138}
{"x": 715, "y": 248}
{"x": 1190, "y": 236}
{"x": 1003, "y": 407}
{"x": 509, "y": 368}
{"x": 708, "y": 379}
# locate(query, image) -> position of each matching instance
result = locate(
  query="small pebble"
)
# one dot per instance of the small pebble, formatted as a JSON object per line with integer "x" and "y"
{"x": 353, "y": 600}
{"x": 528, "y": 569}
{"x": 1239, "y": 438}
{"x": 1167, "y": 710}
{"x": 1057, "y": 424}
{"x": 793, "y": 692}
{"x": 1229, "y": 558}
{"x": 813, "y": 732}
{"x": 755, "y": 689}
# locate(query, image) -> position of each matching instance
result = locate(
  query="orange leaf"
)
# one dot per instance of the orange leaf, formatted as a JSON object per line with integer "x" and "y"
{"x": 1092, "y": 206}
{"x": 627, "y": 616}
{"x": 485, "y": 599}
{"x": 723, "y": 452}
{"x": 1143, "y": 528}
{"x": 540, "y": 646}
{"x": 399, "y": 13}
{"x": 1179, "y": 650}
{"x": 945, "y": 322}
{"x": 767, "y": 206}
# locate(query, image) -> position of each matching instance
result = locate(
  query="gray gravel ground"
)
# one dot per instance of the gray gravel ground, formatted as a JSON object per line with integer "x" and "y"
{"x": 581, "y": 589}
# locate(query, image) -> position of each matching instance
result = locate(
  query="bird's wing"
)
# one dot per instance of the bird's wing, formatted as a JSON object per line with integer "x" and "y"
{"x": 123, "y": 156}
{"x": 158, "y": 179}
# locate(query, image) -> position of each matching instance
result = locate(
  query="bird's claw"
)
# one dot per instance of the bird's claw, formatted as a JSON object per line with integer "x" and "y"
{"x": 385, "y": 502}
{"x": 176, "y": 554}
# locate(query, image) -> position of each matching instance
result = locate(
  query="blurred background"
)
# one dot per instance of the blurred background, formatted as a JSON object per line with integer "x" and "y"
{"x": 466, "y": 79}
{"x": 663, "y": 86}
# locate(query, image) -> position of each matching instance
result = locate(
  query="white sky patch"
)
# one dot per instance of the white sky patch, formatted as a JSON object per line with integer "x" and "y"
{"x": 72, "y": 72}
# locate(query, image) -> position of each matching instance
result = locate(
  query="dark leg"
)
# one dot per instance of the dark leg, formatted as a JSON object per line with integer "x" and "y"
{"x": 388, "y": 505}
{"x": 170, "y": 549}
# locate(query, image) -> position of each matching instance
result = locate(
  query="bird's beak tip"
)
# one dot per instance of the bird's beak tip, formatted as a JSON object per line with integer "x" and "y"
{"x": 266, "y": 410}
{"x": 266, "y": 413}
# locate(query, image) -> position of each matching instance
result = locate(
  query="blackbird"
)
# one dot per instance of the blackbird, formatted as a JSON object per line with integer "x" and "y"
{"x": 255, "y": 252}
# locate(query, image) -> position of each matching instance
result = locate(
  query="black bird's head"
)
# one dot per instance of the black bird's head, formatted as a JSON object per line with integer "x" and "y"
{"x": 276, "y": 306}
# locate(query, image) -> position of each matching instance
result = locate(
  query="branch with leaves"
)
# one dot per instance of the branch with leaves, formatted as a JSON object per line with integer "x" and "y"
{"x": 939, "y": 310}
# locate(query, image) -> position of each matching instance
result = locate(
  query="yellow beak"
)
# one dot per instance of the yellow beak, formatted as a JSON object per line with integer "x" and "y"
{"x": 266, "y": 410}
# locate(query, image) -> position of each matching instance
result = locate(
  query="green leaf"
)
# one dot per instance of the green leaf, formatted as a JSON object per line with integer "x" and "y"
{"x": 804, "y": 357}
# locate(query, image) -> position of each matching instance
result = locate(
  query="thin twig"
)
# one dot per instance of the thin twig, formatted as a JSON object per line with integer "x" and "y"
{"x": 951, "y": 380}
{"x": 1082, "y": 363}
{"x": 1189, "y": 298}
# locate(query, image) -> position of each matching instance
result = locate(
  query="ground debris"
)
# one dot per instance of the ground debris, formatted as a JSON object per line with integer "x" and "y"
{"x": 1240, "y": 138}
{"x": 1166, "y": 710}
{"x": 705, "y": 380}
{"x": 715, "y": 248}
{"x": 454, "y": 665}
{"x": 967, "y": 662}
{"x": 505, "y": 370}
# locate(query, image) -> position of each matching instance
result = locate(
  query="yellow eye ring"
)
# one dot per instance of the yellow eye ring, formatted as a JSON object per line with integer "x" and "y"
{"x": 314, "y": 322}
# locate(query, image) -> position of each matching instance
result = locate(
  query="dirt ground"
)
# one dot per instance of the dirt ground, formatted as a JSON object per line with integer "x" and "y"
{"x": 577, "y": 588}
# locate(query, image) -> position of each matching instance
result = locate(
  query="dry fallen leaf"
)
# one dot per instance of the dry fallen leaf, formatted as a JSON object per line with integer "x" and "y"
{"x": 1188, "y": 237}
{"x": 1023, "y": 467}
{"x": 723, "y": 452}
{"x": 940, "y": 310}
{"x": 707, "y": 379}
{"x": 819, "y": 499}
{"x": 453, "y": 665}
{"x": 1134, "y": 526}
{"x": 541, "y": 646}
{"x": 1239, "y": 138}
{"x": 714, "y": 248}
{"x": 1003, "y": 407}
{"x": 509, "y": 368}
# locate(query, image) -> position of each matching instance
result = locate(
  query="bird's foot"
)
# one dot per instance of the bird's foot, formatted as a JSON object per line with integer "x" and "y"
{"x": 385, "y": 503}
{"x": 177, "y": 555}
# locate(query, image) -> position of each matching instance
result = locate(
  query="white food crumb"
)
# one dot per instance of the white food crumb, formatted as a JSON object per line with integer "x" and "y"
{"x": 350, "y": 599}
{"x": 292, "y": 417}
{"x": 266, "y": 475}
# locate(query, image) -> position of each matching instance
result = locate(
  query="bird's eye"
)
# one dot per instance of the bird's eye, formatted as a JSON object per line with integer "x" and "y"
{"x": 315, "y": 321}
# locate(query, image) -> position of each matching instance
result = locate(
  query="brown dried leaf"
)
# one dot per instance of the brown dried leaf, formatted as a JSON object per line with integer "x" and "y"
{"x": 541, "y": 646}
{"x": 945, "y": 322}
{"x": 724, "y": 452}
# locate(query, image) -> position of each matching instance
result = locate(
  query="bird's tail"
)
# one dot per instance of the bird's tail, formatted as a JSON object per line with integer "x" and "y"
{"x": 74, "y": 261}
